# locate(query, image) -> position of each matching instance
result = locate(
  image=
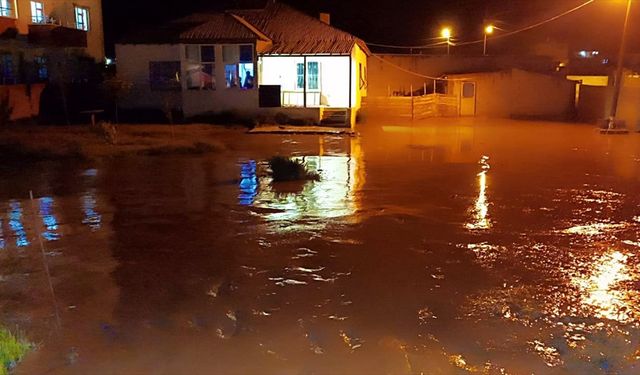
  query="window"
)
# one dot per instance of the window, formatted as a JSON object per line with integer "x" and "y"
{"x": 231, "y": 75}
{"x": 42, "y": 70}
{"x": 313, "y": 70}
{"x": 201, "y": 68}
{"x": 5, "y": 8}
{"x": 239, "y": 67}
{"x": 82, "y": 18}
{"x": 37, "y": 12}
{"x": 468, "y": 90}
{"x": 164, "y": 75}
{"x": 300, "y": 83}
{"x": 313, "y": 75}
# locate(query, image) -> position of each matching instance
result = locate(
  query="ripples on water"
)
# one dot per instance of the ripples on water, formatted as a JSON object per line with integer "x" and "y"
{"x": 311, "y": 275}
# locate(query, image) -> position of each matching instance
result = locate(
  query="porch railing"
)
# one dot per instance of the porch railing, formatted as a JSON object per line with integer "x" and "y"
{"x": 296, "y": 99}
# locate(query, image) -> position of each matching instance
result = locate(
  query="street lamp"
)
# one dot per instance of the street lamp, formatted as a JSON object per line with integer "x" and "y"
{"x": 488, "y": 30}
{"x": 446, "y": 33}
{"x": 619, "y": 71}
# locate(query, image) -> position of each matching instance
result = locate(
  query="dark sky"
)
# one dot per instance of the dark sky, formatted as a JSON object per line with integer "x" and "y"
{"x": 407, "y": 22}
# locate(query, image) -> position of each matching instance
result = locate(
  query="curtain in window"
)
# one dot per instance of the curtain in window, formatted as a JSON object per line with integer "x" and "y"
{"x": 313, "y": 71}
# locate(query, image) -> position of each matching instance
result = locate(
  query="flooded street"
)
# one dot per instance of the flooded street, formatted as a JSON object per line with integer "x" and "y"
{"x": 438, "y": 248}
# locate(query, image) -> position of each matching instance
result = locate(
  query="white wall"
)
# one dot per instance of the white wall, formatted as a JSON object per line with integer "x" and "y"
{"x": 334, "y": 76}
{"x": 133, "y": 67}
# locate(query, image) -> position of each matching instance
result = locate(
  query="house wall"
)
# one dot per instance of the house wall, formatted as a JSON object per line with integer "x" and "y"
{"x": 196, "y": 102}
{"x": 518, "y": 93}
{"x": 63, "y": 11}
{"x": 629, "y": 105}
{"x": 133, "y": 68}
{"x": 392, "y": 74}
{"x": 359, "y": 77}
{"x": 592, "y": 104}
{"x": 595, "y": 102}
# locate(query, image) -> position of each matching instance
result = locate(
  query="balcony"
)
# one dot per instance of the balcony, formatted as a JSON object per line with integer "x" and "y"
{"x": 52, "y": 35}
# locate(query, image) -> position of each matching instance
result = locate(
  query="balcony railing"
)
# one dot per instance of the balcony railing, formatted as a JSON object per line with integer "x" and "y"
{"x": 54, "y": 35}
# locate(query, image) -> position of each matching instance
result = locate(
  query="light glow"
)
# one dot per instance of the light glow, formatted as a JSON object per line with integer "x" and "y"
{"x": 446, "y": 33}
{"x": 489, "y": 29}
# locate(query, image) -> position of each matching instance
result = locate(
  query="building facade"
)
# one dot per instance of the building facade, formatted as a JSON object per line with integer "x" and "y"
{"x": 254, "y": 62}
{"x": 35, "y": 34}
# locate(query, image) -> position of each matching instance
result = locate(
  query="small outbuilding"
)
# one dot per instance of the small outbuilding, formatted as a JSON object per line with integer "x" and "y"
{"x": 513, "y": 93}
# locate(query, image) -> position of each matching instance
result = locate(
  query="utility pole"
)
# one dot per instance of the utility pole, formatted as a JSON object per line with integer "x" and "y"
{"x": 618, "y": 83}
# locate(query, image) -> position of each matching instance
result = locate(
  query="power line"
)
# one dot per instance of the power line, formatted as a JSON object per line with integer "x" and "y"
{"x": 416, "y": 73}
{"x": 530, "y": 27}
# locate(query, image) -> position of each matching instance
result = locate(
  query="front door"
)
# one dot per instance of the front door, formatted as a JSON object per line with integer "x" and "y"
{"x": 468, "y": 99}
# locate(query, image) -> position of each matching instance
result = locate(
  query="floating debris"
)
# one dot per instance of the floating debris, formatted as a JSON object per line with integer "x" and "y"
{"x": 351, "y": 341}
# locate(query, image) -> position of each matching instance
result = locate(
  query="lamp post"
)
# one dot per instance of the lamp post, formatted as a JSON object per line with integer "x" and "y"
{"x": 488, "y": 30}
{"x": 446, "y": 33}
{"x": 620, "y": 70}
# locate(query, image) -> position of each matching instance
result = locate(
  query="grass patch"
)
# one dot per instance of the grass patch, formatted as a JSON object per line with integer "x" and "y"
{"x": 285, "y": 169}
{"x": 12, "y": 349}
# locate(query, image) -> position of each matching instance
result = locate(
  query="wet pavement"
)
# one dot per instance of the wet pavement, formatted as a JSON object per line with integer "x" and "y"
{"x": 458, "y": 246}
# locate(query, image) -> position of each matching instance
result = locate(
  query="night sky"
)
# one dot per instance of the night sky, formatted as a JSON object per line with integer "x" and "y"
{"x": 409, "y": 22}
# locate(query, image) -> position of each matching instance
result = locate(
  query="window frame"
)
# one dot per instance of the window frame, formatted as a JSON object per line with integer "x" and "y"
{"x": 37, "y": 18}
{"x": 86, "y": 18}
{"x": 205, "y": 66}
{"x": 170, "y": 84}
{"x": 7, "y": 8}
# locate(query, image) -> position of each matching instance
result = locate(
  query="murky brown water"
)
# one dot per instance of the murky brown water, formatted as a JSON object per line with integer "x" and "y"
{"x": 483, "y": 248}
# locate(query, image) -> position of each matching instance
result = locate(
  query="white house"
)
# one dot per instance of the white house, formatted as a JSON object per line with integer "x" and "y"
{"x": 253, "y": 62}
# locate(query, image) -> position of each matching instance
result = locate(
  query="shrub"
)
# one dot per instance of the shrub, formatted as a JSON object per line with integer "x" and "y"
{"x": 285, "y": 169}
{"x": 12, "y": 349}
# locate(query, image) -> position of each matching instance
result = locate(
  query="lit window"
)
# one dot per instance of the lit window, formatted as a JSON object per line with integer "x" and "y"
{"x": 300, "y": 73}
{"x": 239, "y": 67}
{"x": 164, "y": 75}
{"x": 5, "y": 8}
{"x": 37, "y": 12}
{"x": 82, "y": 18}
{"x": 313, "y": 70}
{"x": 201, "y": 67}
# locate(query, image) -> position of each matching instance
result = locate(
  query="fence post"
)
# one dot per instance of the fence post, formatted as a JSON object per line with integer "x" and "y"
{"x": 435, "y": 85}
{"x": 424, "y": 90}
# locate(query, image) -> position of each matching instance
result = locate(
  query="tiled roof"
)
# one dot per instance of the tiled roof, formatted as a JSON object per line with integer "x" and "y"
{"x": 294, "y": 32}
{"x": 290, "y": 31}
{"x": 218, "y": 27}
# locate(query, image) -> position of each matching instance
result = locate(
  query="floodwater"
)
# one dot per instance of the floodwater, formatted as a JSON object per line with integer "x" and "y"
{"x": 449, "y": 247}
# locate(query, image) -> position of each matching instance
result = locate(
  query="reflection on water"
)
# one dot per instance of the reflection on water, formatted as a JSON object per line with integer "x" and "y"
{"x": 48, "y": 219}
{"x": 332, "y": 196}
{"x": 248, "y": 183}
{"x": 602, "y": 290}
{"x": 16, "y": 225}
{"x": 481, "y": 208}
{"x": 1, "y": 236}
{"x": 89, "y": 207}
